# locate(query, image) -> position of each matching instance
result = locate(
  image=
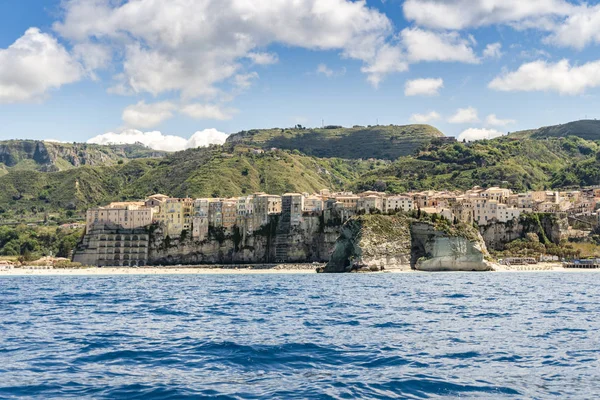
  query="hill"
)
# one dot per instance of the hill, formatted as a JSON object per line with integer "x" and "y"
{"x": 379, "y": 142}
{"x": 584, "y": 129}
{"x": 53, "y": 156}
{"x": 218, "y": 171}
{"x": 526, "y": 164}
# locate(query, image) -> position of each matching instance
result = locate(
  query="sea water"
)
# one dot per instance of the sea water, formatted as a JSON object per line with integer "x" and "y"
{"x": 489, "y": 335}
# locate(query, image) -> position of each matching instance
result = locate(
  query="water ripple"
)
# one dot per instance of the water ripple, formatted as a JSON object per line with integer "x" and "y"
{"x": 491, "y": 336}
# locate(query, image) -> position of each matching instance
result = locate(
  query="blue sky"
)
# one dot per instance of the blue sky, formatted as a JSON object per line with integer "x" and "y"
{"x": 74, "y": 70}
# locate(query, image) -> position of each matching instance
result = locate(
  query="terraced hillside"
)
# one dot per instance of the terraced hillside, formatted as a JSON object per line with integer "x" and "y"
{"x": 379, "y": 142}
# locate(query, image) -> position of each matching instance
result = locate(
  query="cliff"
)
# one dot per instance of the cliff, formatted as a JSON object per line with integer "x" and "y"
{"x": 311, "y": 241}
{"x": 548, "y": 227}
{"x": 378, "y": 242}
{"x": 53, "y": 156}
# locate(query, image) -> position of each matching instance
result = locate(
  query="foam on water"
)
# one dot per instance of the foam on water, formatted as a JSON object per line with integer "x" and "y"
{"x": 301, "y": 336}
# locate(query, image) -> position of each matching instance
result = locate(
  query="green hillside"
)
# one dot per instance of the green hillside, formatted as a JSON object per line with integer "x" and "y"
{"x": 584, "y": 129}
{"x": 518, "y": 164}
{"x": 215, "y": 171}
{"x": 379, "y": 142}
{"x": 33, "y": 155}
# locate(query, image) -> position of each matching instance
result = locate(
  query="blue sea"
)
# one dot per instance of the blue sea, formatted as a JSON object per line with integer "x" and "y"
{"x": 414, "y": 336}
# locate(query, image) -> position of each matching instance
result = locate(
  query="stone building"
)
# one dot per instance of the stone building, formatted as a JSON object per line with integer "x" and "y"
{"x": 109, "y": 245}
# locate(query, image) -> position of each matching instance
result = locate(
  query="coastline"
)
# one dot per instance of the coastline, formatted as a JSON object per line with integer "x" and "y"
{"x": 296, "y": 269}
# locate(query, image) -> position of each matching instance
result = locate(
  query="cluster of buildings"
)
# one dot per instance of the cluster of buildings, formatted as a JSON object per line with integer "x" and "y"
{"x": 249, "y": 213}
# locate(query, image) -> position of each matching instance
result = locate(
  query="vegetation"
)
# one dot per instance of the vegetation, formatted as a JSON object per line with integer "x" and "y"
{"x": 584, "y": 129}
{"x": 522, "y": 165}
{"x": 378, "y": 142}
{"x": 32, "y": 155}
{"x": 31, "y": 243}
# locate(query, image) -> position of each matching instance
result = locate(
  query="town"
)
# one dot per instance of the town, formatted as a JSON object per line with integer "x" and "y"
{"x": 194, "y": 217}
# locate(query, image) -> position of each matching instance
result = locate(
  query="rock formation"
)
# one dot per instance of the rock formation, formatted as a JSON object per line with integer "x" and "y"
{"x": 378, "y": 242}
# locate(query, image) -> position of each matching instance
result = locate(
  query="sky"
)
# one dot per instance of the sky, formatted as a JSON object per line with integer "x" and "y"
{"x": 175, "y": 74}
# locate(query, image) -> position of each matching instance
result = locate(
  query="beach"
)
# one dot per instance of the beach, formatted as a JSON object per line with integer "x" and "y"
{"x": 231, "y": 270}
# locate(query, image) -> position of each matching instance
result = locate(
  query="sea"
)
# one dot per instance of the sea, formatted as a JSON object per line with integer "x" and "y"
{"x": 379, "y": 336}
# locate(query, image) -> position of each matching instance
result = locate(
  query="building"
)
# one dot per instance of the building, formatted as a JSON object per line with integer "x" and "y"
{"x": 292, "y": 205}
{"x": 398, "y": 203}
{"x": 128, "y": 216}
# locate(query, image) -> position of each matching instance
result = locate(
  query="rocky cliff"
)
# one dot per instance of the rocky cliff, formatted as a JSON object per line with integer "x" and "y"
{"x": 311, "y": 241}
{"x": 377, "y": 242}
{"x": 53, "y": 156}
{"x": 548, "y": 227}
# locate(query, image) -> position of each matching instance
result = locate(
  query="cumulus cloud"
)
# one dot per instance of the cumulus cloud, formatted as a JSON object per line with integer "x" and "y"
{"x": 208, "y": 111}
{"x": 142, "y": 115}
{"x": 493, "y": 120}
{"x": 473, "y": 134}
{"x": 193, "y": 46}
{"x": 493, "y": 50}
{"x": 580, "y": 29}
{"x": 462, "y": 14}
{"x": 34, "y": 64}
{"x": 388, "y": 59}
{"x": 425, "y": 118}
{"x": 157, "y": 141}
{"x": 464, "y": 116}
{"x": 423, "y": 87}
{"x": 422, "y": 45}
{"x": 560, "y": 77}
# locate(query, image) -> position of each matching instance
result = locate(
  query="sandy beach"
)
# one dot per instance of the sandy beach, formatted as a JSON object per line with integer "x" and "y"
{"x": 277, "y": 270}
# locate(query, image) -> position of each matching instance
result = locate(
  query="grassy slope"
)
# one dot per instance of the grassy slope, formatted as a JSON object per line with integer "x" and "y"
{"x": 585, "y": 129}
{"x": 196, "y": 173}
{"x": 381, "y": 142}
{"x": 522, "y": 165}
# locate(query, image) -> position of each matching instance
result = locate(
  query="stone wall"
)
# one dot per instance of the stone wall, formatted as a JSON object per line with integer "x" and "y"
{"x": 108, "y": 245}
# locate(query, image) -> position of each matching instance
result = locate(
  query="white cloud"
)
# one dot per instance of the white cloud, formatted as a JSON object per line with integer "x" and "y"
{"x": 462, "y": 14}
{"x": 263, "y": 58}
{"x": 245, "y": 81}
{"x": 580, "y": 29}
{"x": 473, "y": 134}
{"x": 207, "y": 111}
{"x": 388, "y": 59}
{"x": 34, "y": 64}
{"x": 323, "y": 69}
{"x": 142, "y": 115}
{"x": 192, "y": 47}
{"x": 493, "y": 50}
{"x": 93, "y": 56}
{"x": 464, "y": 116}
{"x": 157, "y": 141}
{"x": 423, "y": 87}
{"x": 205, "y": 138}
{"x": 425, "y": 118}
{"x": 424, "y": 45}
{"x": 560, "y": 77}
{"x": 493, "y": 120}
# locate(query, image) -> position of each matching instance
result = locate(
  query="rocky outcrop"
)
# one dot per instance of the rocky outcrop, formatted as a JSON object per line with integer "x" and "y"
{"x": 378, "y": 242}
{"x": 441, "y": 250}
{"x": 53, "y": 156}
{"x": 549, "y": 228}
{"x": 372, "y": 243}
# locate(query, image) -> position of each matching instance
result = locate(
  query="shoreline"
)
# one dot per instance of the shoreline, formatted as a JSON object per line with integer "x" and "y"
{"x": 295, "y": 269}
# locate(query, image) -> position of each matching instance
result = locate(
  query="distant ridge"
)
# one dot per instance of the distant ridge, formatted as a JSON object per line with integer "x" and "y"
{"x": 588, "y": 129}
{"x": 48, "y": 156}
{"x": 381, "y": 142}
